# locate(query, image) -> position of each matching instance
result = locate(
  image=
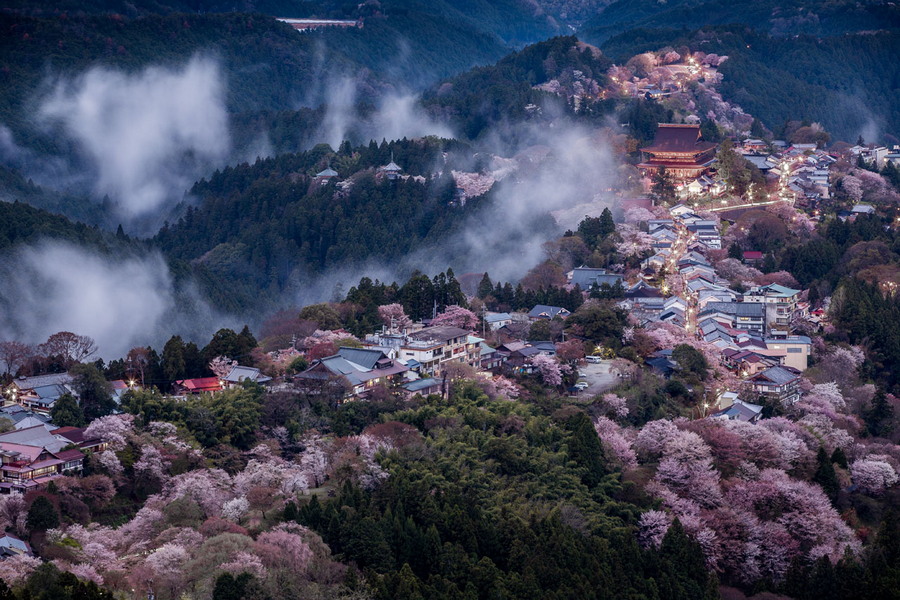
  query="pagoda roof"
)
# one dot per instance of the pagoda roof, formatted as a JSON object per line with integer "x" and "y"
{"x": 678, "y": 138}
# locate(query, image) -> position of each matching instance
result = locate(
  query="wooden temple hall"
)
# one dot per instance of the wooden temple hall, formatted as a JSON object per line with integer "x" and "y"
{"x": 680, "y": 149}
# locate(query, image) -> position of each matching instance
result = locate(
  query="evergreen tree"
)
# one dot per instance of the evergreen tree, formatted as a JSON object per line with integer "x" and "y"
{"x": 485, "y": 287}
{"x": 839, "y": 458}
{"x": 880, "y": 417}
{"x": 42, "y": 515}
{"x": 734, "y": 251}
{"x": 66, "y": 412}
{"x": 173, "y": 366}
{"x": 94, "y": 392}
{"x": 825, "y": 475}
{"x": 663, "y": 186}
{"x": 586, "y": 450}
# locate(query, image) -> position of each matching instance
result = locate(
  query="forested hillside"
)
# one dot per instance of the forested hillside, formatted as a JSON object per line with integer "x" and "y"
{"x": 848, "y": 83}
{"x": 503, "y": 93}
{"x": 259, "y": 227}
{"x": 268, "y": 65}
{"x": 778, "y": 17}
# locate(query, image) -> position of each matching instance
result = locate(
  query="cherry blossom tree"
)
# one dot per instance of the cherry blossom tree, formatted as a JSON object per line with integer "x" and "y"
{"x": 456, "y": 316}
{"x": 686, "y": 468}
{"x": 315, "y": 460}
{"x": 638, "y": 214}
{"x": 614, "y": 441}
{"x": 16, "y": 569}
{"x": 653, "y": 437}
{"x": 235, "y": 508}
{"x": 634, "y": 241}
{"x": 13, "y": 511}
{"x": 873, "y": 474}
{"x": 282, "y": 549}
{"x": 613, "y": 405}
{"x": 113, "y": 429}
{"x": 110, "y": 463}
{"x": 652, "y": 528}
{"x": 394, "y": 317}
{"x": 152, "y": 466}
{"x": 548, "y": 368}
{"x": 245, "y": 562}
{"x": 221, "y": 366}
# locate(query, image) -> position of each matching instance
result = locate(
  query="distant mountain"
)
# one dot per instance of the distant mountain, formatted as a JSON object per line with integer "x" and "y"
{"x": 779, "y": 17}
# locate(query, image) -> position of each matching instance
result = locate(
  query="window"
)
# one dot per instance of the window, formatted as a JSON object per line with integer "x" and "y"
{"x": 795, "y": 350}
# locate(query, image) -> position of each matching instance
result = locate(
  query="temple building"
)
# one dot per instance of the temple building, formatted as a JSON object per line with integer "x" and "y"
{"x": 680, "y": 149}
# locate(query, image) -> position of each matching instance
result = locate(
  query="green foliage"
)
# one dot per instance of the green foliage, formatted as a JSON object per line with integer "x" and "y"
{"x": 825, "y": 475}
{"x": 879, "y": 417}
{"x": 94, "y": 392}
{"x": 594, "y": 230}
{"x": 484, "y": 96}
{"x": 663, "y": 186}
{"x": 585, "y": 450}
{"x": 236, "y": 346}
{"x": 485, "y": 287}
{"x": 495, "y": 505}
{"x": 601, "y": 323}
{"x": 260, "y": 227}
{"x": 690, "y": 360}
{"x": 242, "y": 587}
{"x": 42, "y": 515}
{"x": 66, "y": 412}
{"x": 866, "y": 313}
{"x": 49, "y": 583}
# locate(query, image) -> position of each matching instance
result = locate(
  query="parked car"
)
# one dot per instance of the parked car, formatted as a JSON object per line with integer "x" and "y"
{"x": 581, "y": 385}
{"x": 593, "y": 359}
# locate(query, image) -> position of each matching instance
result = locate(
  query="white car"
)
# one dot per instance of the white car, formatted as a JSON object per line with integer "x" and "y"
{"x": 593, "y": 359}
{"x": 581, "y": 385}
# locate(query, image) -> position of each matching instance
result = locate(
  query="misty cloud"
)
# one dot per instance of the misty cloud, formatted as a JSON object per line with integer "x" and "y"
{"x": 568, "y": 175}
{"x": 121, "y": 302}
{"x": 148, "y": 135}
{"x": 395, "y": 116}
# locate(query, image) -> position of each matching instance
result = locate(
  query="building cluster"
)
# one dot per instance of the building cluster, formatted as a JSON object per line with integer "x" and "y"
{"x": 33, "y": 456}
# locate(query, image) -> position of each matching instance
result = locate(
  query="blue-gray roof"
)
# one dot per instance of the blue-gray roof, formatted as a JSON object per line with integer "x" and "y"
{"x": 777, "y": 375}
{"x": 420, "y": 384}
{"x": 738, "y": 309}
{"x": 361, "y": 356}
{"x": 542, "y": 310}
{"x": 585, "y": 278}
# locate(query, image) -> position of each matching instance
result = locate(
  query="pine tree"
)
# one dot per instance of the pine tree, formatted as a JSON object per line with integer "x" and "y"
{"x": 879, "y": 418}
{"x": 825, "y": 475}
{"x": 586, "y": 450}
{"x": 42, "y": 515}
{"x": 663, "y": 187}
{"x": 839, "y": 458}
{"x": 485, "y": 287}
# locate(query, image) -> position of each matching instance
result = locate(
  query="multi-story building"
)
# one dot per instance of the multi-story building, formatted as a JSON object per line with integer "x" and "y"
{"x": 742, "y": 316}
{"x": 780, "y": 303}
{"x": 777, "y": 384}
{"x": 431, "y": 348}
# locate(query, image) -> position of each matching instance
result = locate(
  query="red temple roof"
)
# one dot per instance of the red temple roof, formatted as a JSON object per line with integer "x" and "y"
{"x": 678, "y": 138}
{"x": 201, "y": 384}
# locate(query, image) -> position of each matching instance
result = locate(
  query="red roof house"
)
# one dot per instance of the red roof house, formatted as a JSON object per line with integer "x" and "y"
{"x": 198, "y": 385}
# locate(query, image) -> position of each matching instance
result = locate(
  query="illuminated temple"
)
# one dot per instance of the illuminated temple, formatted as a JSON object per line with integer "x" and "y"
{"x": 680, "y": 149}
